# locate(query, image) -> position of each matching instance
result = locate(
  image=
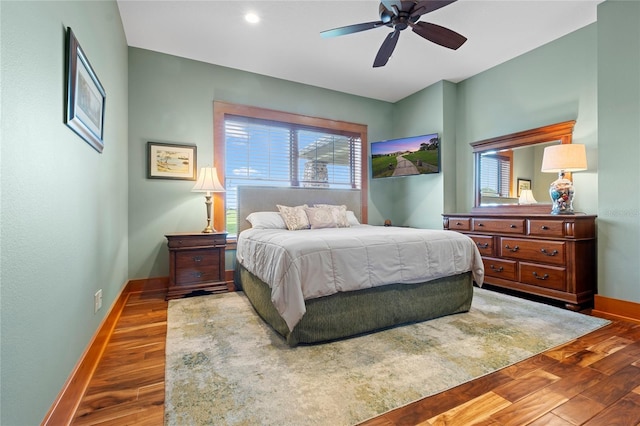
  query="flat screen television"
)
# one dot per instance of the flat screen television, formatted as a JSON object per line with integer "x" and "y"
{"x": 416, "y": 155}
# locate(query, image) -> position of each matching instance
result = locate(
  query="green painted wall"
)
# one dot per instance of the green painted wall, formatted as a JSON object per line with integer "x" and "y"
{"x": 619, "y": 149}
{"x": 553, "y": 83}
{"x": 64, "y": 205}
{"x": 171, "y": 100}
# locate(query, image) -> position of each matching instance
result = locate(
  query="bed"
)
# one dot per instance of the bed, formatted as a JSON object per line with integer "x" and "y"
{"x": 318, "y": 285}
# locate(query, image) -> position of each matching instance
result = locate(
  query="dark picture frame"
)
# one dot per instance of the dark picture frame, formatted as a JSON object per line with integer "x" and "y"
{"x": 171, "y": 161}
{"x": 85, "y": 102}
{"x": 523, "y": 184}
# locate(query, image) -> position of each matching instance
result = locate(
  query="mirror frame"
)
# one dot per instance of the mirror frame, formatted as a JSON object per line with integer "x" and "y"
{"x": 562, "y": 132}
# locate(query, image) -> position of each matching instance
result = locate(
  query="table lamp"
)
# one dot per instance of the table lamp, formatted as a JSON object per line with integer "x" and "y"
{"x": 560, "y": 159}
{"x": 208, "y": 182}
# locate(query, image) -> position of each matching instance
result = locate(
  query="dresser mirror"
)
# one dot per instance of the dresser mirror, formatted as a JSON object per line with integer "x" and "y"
{"x": 507, "y": 165}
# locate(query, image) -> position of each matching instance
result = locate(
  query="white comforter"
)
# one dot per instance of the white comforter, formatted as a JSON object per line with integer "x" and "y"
{"x": 306, "y": 264}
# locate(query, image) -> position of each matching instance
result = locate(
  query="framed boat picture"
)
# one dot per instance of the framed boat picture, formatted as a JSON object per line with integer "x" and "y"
{"x": 171, "y": 161}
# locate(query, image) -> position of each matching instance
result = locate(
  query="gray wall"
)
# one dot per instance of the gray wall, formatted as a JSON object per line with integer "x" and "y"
{"x": 64, "y": 205}
{"x": 171, "y": 100}
{"x": 619, "y": 149}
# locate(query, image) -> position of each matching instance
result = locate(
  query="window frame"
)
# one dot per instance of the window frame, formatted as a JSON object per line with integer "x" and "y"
{"x": 221, "y": 109}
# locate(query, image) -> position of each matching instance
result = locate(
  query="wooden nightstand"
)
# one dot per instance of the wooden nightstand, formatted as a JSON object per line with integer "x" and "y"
{"x": 196, "y": 263}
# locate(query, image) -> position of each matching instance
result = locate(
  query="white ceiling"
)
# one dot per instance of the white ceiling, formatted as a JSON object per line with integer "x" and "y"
{"x": 287, "y": 44}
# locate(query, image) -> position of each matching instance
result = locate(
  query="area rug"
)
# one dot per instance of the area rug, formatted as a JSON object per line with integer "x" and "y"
{"x": 225, "y": 366}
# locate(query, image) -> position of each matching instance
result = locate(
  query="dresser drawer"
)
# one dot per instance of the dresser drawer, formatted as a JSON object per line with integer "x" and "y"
{"x": 484, "y": 243}
{"x": 500, "y": 268}
{"x": 459, "y": 224}
{"x": 503, "y": 226}
{"x": 543, "y": 276}
{"x": 534, "y": 250}
{"x": 545, "y": 228}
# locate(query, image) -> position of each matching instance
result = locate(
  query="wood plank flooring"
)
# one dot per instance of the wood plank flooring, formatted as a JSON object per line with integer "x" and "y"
{"x": 592, "y": 381}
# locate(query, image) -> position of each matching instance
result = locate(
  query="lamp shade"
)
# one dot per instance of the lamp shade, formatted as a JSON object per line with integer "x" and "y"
{"x": 208, "y": 181}
{"x": 526, "y": 197}
{"x": 564, "y": 158}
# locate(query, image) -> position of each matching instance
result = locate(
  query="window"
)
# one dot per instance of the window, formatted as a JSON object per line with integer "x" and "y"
{"x": 254, "y": 146}
{"x": 495, "y": 176}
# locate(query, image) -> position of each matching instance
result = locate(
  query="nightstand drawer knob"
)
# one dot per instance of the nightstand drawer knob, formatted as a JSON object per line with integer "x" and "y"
{"x": 199, "y": 258}
{"x": 512, "y": 226}
{"x": 544, "y": 227}
{"x": 197, "y": 274}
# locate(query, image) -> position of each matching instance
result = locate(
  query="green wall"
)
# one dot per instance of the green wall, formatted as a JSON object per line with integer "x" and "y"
{"x": 619, "y": 149}
{"x": 553, "y": 83}
{"x": 64, "y": 205}
{"x": 171, "y": 100}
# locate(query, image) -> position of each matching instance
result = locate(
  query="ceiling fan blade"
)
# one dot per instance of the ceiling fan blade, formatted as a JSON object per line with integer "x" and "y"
{"x": 386, "y": 49}
{"x": 439, "y": 35}
{"x": 427, "y": 6}
{"x": 350, "y": 29}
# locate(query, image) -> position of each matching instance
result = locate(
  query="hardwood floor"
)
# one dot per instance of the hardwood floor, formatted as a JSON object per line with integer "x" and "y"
{"x": 594, "y": 380}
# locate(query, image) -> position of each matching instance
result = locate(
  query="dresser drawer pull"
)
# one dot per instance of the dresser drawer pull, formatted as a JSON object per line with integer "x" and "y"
{"x": 538, "y": 277}
{"x": 482, "y": 245}
{"x": 481, "y": 224}
{"x": 458, "y": 224}
{"x": 200, "y": 274}
{"x": 515, "y": 249}
{"x": 199, "y": 258}
{"x": 498, "y": 269}
{"x": 544, "y": 227}
{"x": 512, "y": 226}
{"x": 553, "y": 253}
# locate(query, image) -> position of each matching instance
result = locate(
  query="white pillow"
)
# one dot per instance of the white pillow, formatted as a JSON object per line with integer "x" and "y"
{"x": 352, "y": 219}
{"x": 321, "y": 217}
{"x": 294, "y": 217}
{"x": 266, "y": 220}
{"x": 339, "y": 214}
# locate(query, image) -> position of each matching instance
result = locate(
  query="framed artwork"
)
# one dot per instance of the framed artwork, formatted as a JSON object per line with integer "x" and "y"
{"x": 85, "y": 99}
{"x": 171, "y": 161}
{"x": 523, "y": 184}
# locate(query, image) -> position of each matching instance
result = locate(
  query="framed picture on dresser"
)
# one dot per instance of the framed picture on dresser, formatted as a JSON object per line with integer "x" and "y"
{"x": 523, "y": 184}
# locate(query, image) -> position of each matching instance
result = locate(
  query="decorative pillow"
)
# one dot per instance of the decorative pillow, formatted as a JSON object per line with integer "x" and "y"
{"x": 266, "y": 220}
{"x": 352, "y": 219}
{"x": 294, "y": 217}
{"x": 339, "y": 214}
{"x": 320, "y": 217}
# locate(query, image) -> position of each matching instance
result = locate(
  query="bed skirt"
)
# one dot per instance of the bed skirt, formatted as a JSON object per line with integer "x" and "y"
{"x": 352, "y": 313}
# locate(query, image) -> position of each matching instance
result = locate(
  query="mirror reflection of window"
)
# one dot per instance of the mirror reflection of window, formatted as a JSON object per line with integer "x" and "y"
{"x": 495, "y": 174}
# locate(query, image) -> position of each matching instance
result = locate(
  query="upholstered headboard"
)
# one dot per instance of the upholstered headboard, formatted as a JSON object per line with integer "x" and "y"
{"x": 265, "y": 198}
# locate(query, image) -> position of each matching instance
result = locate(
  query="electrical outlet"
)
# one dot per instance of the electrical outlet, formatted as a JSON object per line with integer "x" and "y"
{"x": 97, "y": 301}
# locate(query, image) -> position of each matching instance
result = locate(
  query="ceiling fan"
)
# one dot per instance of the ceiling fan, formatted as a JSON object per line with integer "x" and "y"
{"x": 399, "y": 15}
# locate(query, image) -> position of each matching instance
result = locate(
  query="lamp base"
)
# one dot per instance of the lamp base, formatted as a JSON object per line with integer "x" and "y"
{"x": 561, "y": 192}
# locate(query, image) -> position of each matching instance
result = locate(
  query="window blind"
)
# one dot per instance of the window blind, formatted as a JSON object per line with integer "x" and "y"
{"x": 273, "y": 153}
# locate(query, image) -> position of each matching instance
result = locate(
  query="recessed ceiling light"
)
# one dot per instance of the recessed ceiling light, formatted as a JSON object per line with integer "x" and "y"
{"x": 252, "y": 18}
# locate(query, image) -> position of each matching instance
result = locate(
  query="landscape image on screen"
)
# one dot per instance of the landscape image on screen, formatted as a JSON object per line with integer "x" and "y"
{"x": 406, "y": 156}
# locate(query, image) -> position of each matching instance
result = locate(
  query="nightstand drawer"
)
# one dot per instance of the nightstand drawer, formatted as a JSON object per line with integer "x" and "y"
{"x": 503, "y": 226}
{"x": 196, "y": 241}
{"x": 197, "y": 258}
{"x": 535, "y": 250}
{"x": 543, "y": 276}
{"x": 500, "y": 268}
{"x": 484, "y": 243}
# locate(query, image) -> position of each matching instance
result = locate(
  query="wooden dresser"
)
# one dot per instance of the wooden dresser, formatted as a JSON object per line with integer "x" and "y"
{"x": 196, "y": 263}
{"x": 539, "y": 254}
